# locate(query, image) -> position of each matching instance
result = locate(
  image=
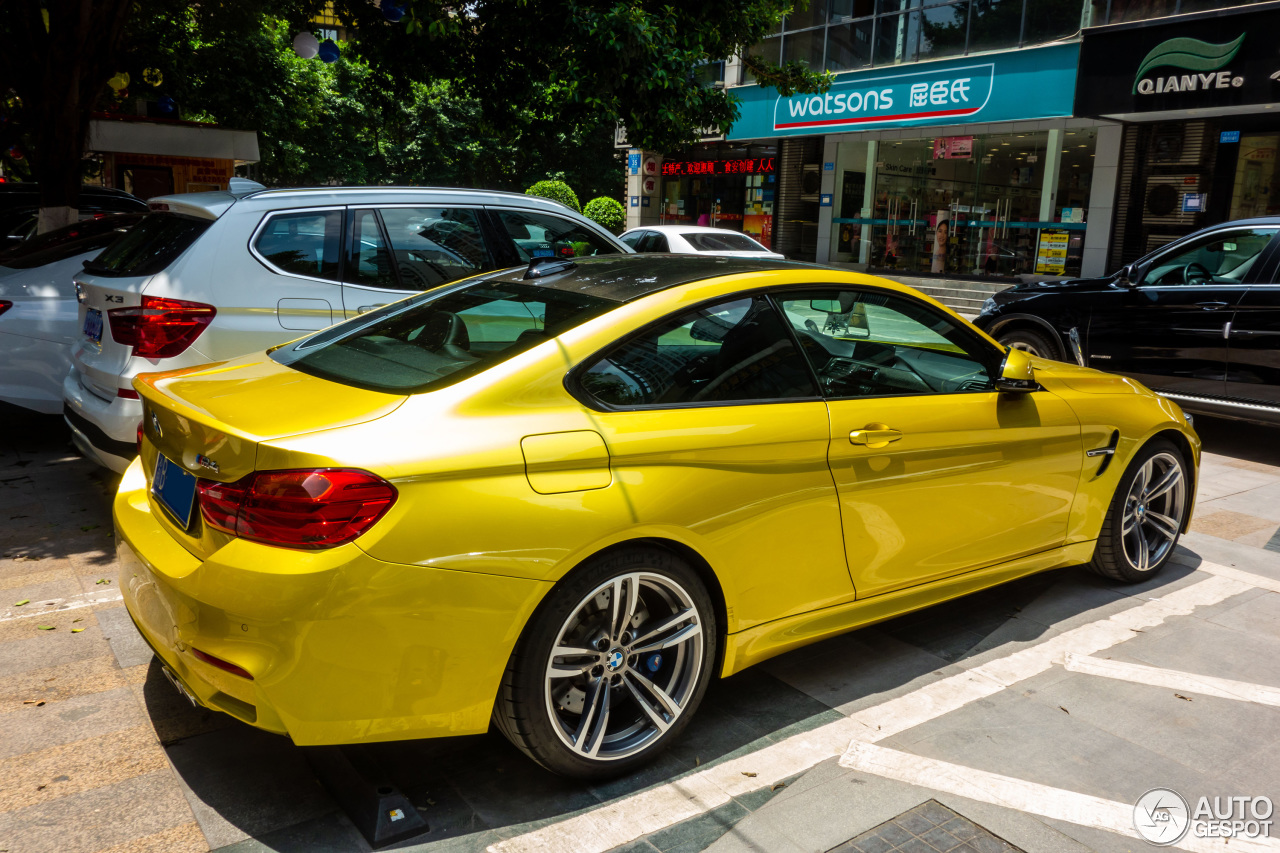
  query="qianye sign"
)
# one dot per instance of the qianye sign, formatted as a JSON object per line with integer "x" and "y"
{"x": 1224, "y": 60}
{"x": 1025, "y": 84}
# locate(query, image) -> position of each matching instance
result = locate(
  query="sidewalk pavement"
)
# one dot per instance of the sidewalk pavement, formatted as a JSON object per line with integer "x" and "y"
{"x": 100, "y": 754}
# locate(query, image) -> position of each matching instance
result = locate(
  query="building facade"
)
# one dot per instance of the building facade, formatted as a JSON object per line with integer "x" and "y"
{"x": 957, "y": 139}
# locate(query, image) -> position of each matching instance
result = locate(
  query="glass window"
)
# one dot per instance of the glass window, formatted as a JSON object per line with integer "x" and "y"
{"x": 887, "y": 6}
{"x": 844, "y": 10}
{"x": 654, "y": 242}
{"x": 632, "y": 238}
{"x": 1141, "y": 10}
{"x": 943, "y": 30}
{"x": 1256, "y": 187}
{"x": 369, "y": 262}
{"x": 1050, "y": 20}
{"x": 849, "y": 45}
{"x": 877, "y": 344}
{"x": 705, "y": 241}
{"x": 770, "y": 50}
{"x": 1223, "y": 257}
{"x": 150, "y": 246}
{"x": 804, "y": 47}
{"x": 735, "y": 351}
{"x": 432, "y": 246}
{"x": 897, "y": 38}
{"x": 813, "y": 14}
{"x": 441, "y": 336}
{"x": 995, "y": 25}
{"x": 92, "y": 235}
{"x": 304, "y": 243}
{"x": 541, "y": 235}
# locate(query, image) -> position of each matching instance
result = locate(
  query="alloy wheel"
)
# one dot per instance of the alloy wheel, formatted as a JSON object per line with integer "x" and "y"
{"x": 1028, "y": 348}
{"x": 1153, "y": 511}
{"x": 625, "y": 665}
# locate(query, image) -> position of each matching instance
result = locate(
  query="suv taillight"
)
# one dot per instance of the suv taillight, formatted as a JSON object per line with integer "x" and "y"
{"x": 160, "y": 327}
{"x": 5, "y": 305}
{"x": 310, "y": 509}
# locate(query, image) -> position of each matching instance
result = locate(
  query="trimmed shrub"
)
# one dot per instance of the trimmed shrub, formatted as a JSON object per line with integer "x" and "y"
{"x": 556, "y": 191}
{"x": 607, "y": 213}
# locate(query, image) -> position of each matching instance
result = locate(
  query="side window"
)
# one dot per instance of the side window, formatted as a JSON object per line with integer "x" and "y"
{"x": 735, "y": 351}
{"x": 632, "y": 239}
{"x": 368, "y": 261}
{"x": 433, "y": 246}
{"x": 304, "y": 243}
{"x": 659, "y": 243}
{"x": 868, "y": 344}
{"x": 1224, "y": 257}
{"x": 542, "y": 235}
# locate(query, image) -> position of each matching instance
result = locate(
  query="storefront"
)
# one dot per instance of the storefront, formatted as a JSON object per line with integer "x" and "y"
{"x": 150, "y": 157}
{"x": 1200, "y": 97}
{"x": 968, "y": 166}
{"x": 722, "y": 185}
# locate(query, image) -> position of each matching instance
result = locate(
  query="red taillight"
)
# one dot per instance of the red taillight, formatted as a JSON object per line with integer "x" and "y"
{"x": 297, "y": 509}
{"x": 160, "y": 327}
{"x": 127, "y": 394}
{"x": 139, "y": 438}
{"x": 5, "y": 305}
{"x": 221, "y": 664}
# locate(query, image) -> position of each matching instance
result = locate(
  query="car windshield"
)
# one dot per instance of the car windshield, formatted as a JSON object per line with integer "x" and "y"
{"x": 706, "y": 241}
{"x": 92, "y": 235}
{"x": 440, "y": 337}
{"x": 150, "y": 246}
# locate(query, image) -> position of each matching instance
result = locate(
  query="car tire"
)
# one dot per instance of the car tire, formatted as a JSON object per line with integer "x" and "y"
{"x": 649, "y": 672}
{"x": 1146, "y": 515}
{"x": 1036, "y": 344}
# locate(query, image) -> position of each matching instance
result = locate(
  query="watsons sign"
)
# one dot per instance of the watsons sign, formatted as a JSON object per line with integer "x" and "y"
{"x": 1024, "y": 84}
{"x": 1193, "y": 55}
{"x": 897, "y": 98}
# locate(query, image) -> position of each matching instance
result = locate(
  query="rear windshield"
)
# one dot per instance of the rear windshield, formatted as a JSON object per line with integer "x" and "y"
{"x": 440, "y": 337}
{"x": 92, "y": 235}
{"x": 727, "y": 242}
{"x": 150, "y": 246}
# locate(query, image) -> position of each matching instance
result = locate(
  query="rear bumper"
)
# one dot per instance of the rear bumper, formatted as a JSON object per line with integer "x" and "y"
{"x": 343, "y": 648}
{"x": 104, "y": 431}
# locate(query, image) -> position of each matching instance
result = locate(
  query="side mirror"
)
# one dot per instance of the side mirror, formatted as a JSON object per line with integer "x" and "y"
{"x": 1016, "y": 373}
{"x": 1128, "y": 276}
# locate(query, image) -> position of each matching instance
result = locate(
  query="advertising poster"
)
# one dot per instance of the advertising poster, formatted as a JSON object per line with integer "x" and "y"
{"x": 953, "y": 148}
{"x": 1051, "y": 257}
{"x": 758, "y": 227}
{"x": 941, "y": 234}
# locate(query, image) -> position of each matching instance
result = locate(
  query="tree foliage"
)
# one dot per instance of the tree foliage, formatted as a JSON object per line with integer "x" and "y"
{"x": 606, "y": 212}
{"x": 484, "y": 93}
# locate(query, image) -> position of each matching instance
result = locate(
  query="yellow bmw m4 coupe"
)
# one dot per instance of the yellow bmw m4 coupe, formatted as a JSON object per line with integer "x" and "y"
{"x": 563, "y": 498}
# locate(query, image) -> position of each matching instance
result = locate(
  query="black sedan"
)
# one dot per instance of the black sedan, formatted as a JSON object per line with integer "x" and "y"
{"x": 1197, "y": 320}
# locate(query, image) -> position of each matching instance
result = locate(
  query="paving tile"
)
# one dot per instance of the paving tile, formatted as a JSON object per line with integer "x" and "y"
{"x": 35, "y": 728}
{"x": 59, "y": 771}
{"x": 512, "y": 794}
{"x": 698, "y": 832}
{"x": 329, "y": 833}
{"x": 101, "y": 818}
{"x": 181, "y": 839}
{"x": 59, "y": 682}
{"x": 126, "y": 643}
{"x": 1228, "y": 524}
{"x": 1206, "y": 648}
{"x": 54, "y": 570}
{"x": 243, "y": 782}
{"x": 30, "y": 648}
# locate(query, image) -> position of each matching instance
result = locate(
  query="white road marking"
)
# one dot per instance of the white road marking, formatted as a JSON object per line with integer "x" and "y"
{"x": 629, "y": 818}
{"x": 1260, "y": 581}
{"x": 57, "y": 605}
{"x": 1053, "y": 803}
{"x": 1188, "y": 682}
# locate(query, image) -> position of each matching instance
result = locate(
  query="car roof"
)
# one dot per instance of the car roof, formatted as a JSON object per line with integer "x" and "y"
{"x": 214, "y": 204}
{"x": 623, "y": 278}
{"x": 687, "y": 229}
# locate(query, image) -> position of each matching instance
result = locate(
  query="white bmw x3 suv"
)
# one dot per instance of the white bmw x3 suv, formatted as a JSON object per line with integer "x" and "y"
{"x": 210, "y": 276}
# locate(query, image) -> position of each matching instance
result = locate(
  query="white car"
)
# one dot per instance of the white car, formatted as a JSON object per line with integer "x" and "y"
{"x": 38, "y": 308}
{"x": 696, "y": 240}
{"x": 210, "y": 276}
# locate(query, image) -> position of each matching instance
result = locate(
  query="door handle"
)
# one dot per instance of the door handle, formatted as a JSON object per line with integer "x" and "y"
{"x": 364, "y": 309}
{"x": 1211, "y": 306}
{"x": 874, "y": 435}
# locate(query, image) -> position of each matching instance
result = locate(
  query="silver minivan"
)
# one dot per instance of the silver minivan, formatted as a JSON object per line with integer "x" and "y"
{"x": 210, "y": 276}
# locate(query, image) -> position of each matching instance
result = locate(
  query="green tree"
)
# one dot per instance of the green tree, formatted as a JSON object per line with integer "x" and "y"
{"x": 579, "y": 64}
